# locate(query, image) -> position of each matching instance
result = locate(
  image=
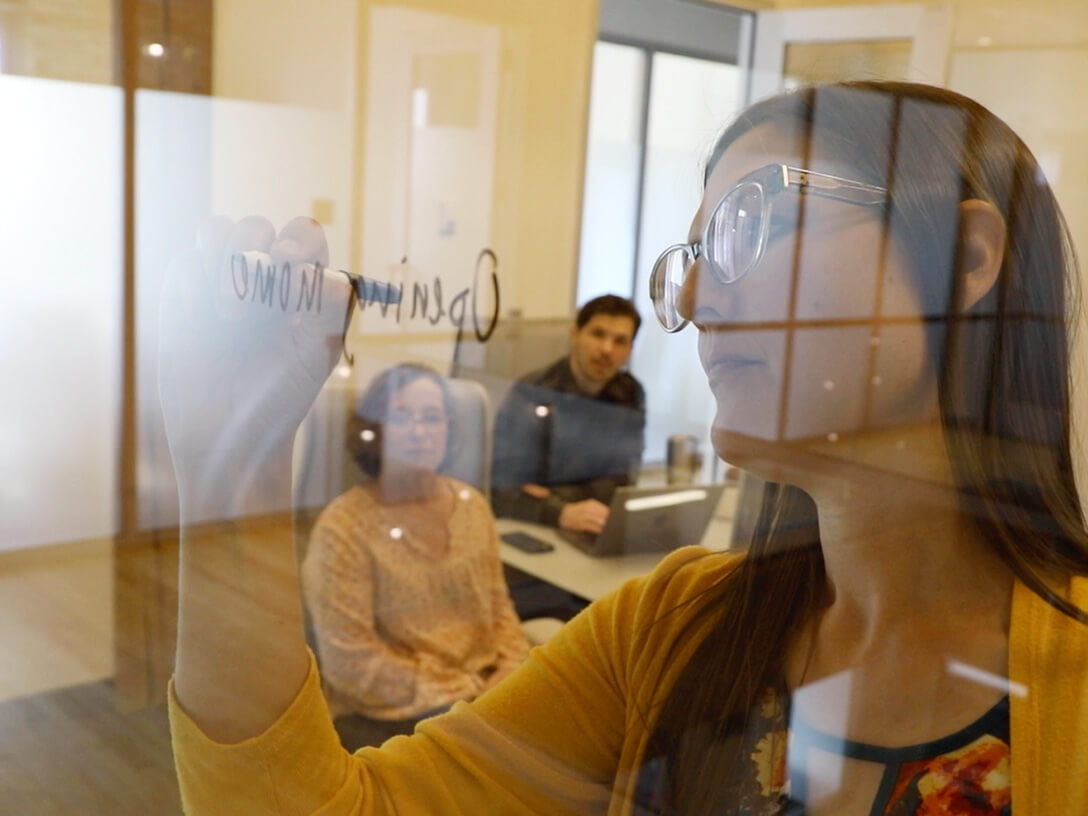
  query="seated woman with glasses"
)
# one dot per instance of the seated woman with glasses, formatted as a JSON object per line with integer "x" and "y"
{"x": 402, "y": 576}
{"x": 878, "y": 274}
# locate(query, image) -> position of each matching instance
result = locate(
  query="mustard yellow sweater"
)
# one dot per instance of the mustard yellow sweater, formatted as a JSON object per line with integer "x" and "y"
{"x": 564, "y": 734}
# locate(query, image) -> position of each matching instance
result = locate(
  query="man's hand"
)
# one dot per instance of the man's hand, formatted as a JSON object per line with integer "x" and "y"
{"x": 587, "y": 516}
{"x": 536, "y": 491}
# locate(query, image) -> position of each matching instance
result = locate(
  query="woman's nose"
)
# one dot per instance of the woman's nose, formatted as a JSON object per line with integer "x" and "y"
{"x": 702, "y": 299}
{"x": 685, "y": 300}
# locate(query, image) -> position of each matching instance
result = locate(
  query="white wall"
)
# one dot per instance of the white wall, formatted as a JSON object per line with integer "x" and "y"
{"x": 294, "y": 52}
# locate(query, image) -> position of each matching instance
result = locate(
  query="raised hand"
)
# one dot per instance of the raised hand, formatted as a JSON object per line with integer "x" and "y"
{"x": 251, "y": 323}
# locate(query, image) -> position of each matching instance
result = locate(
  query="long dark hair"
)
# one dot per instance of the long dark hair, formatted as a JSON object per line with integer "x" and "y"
{"x": 1003, "y": 374}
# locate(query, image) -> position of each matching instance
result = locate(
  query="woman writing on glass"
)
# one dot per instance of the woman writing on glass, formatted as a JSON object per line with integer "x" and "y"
{"x": 402, "y": 575}
{"x": 878, "y": 274}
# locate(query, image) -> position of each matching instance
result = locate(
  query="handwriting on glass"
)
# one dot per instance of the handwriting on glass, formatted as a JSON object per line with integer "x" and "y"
{"x": 257, "y": 278}
{"x": 254, "y": 274}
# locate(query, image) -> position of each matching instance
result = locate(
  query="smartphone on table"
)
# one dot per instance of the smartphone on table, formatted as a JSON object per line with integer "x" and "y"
{"x": 527, "y": 543}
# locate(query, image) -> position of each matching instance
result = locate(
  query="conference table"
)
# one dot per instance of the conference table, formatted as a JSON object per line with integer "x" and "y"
{"x": 589, "y": 577}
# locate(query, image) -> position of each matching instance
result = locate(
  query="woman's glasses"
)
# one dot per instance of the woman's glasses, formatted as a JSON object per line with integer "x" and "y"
{"x": 735, "y": 236}
{"x": 430, "y": 421}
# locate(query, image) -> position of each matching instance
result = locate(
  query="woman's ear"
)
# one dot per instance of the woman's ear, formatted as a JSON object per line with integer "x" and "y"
{"x": 983, "y": 250}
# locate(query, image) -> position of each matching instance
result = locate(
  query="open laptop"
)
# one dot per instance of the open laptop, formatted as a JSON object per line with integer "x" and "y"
{"x": 651, "y": 519}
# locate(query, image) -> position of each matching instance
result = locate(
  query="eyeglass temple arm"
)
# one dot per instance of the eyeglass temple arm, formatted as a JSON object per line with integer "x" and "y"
{"x": 829, "y": 186}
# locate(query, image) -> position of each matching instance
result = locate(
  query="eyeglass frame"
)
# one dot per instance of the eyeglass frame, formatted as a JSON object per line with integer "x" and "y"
{"x": 771, "y": 180}
{"x": 430, "y": 423}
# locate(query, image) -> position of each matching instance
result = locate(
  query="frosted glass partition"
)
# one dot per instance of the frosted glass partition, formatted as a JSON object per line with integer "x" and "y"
{"x": 60, "y": 313}
{"x": 691, "y": 100}
{"x": 198, "y": 156}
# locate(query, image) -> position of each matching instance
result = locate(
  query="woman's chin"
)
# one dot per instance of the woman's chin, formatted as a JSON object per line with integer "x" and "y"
{"x": 760, "y": 457}
{"x": 914, "y": 452}
{"x": 744, "y": 436}
{"x": 408, "y": 468}
{"x": 798, "y": 462}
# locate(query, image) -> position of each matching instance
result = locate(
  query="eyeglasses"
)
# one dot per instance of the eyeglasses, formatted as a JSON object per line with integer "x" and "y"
{"x": 735, "y": 236}
{"x": 430, "y": 421}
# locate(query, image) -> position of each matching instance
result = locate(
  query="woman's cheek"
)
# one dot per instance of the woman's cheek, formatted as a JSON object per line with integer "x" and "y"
{"x": 828, "y": 382}
{"x": 836, "y": 382}
{"x": 904, "y": 382}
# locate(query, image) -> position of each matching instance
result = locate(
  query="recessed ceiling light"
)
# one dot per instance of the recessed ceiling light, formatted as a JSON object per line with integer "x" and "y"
{"x": 155, "y": 50}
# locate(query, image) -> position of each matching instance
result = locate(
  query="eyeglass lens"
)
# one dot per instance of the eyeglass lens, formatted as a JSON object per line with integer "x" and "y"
{"x": 736, "y": 227}
{"x": 665, "y": 284}
{"x": 734, "y": 239}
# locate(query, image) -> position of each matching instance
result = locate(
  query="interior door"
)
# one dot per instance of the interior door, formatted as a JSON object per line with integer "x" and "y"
{"x": 903, "y": 41}
{"x": 432, "y": 112}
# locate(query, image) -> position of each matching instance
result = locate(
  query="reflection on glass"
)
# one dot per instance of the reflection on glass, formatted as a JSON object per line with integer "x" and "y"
{"x": 913, "y": 588}
{"x": 917, "y": 449}
{"x": 902, "y": 632}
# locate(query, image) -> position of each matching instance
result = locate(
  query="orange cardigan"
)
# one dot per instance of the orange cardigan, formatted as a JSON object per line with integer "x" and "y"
{"x": 399, "y": 631}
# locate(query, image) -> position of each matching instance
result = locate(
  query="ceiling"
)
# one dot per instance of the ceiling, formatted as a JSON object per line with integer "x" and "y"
{"x": 989, "y": 23}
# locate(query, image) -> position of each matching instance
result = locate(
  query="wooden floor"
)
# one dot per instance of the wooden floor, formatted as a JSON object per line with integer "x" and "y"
{"x": 74, "y": 751}
{"x": 66, "y": 744}
{"x": 56, "y": 617}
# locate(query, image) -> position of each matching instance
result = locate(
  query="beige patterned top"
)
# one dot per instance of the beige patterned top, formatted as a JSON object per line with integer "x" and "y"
{"x": 399, "y": 631}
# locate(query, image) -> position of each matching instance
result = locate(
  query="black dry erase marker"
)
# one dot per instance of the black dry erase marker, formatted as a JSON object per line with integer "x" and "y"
{"x": 368, "y": 290}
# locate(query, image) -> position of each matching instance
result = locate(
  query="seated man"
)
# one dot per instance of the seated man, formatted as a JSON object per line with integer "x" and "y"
{"x": 567, "y": 436}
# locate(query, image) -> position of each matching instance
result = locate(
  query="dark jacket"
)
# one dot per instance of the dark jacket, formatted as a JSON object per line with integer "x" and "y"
{"x": 548, "y": 433}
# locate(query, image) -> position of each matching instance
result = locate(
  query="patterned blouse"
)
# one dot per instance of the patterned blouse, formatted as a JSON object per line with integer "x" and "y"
{"x": 399, "y": 632}
{"x": 962, "y": 774}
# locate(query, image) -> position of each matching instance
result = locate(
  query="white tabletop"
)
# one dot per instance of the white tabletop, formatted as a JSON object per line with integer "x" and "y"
{"x": 588, "y": 577}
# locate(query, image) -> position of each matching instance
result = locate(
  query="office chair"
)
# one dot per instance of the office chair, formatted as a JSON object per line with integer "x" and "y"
{"x": 469, "y": 458}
